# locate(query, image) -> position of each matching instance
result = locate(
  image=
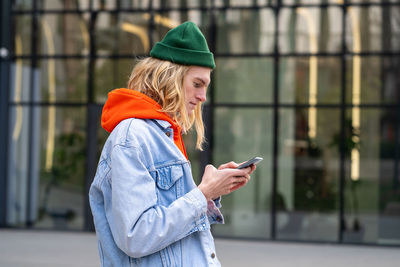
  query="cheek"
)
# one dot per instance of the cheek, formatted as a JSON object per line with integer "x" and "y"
{"x": 186, "y": 89}
{"x": 189, "y": 91}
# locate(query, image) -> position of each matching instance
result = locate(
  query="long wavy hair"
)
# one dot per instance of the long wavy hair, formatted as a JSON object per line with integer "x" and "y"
{"x": 162, "y": 81}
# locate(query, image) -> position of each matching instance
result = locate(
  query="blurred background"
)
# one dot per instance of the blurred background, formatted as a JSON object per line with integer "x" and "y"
{"x": 312, "y": 86}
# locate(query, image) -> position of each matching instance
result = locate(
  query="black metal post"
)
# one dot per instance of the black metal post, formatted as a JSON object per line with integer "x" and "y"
{"x": 33, "y": 83}
{"x": 206, "y": 156}
{"x": 396, "y": 174}
{"x": 342, "y": 223}
{"x": 5, "y": 48}
{"x": 276, "y": 123}
{"x": 91, "y": 123}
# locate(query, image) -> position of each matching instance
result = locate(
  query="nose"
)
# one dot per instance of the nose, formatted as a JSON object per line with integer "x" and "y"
{"x": 201, "y": 95}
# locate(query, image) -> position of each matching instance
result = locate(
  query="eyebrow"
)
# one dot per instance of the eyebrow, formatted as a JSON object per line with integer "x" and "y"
{"x": 201, "y": 80}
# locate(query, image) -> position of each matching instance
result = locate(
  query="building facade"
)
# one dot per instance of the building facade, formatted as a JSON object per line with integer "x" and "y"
{"x": 312, "y": 86}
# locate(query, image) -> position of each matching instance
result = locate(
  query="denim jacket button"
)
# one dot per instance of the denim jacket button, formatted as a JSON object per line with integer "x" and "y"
{"x": 213, "y": 255}
{"x": 219, "y": 219}
{"x": 168, "y": 134}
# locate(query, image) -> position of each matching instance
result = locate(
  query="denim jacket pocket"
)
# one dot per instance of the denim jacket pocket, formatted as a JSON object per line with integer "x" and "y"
{"x": 167, "y": 176}
{"x": 169, "y": 184}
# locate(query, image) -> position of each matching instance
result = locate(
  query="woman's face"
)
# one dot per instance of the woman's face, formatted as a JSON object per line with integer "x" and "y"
{"x": 195, "y": 85}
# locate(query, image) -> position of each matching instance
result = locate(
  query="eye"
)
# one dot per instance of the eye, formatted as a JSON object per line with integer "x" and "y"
{"x": 196, "y": 85}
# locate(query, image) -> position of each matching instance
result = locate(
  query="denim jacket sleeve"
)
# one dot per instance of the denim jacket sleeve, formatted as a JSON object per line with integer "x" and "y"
{"x": 140, "y": 226}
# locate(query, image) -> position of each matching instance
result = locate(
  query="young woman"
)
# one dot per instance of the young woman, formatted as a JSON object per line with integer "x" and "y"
{"x": 147, "y": 209}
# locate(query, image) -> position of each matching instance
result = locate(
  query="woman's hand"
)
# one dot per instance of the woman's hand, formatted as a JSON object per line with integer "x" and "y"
{"x": 223, "y": 181}
{"x": 234, "y": 165}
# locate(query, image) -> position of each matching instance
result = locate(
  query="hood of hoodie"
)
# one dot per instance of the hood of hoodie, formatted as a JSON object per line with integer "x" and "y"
{"x": 125, "y": 103}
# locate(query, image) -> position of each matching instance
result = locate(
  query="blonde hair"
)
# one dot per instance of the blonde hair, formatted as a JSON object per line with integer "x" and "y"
{"x": 162, "y": 81}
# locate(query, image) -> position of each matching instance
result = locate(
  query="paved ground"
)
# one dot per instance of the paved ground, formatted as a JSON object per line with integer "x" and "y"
{"x": 23, "y": 248}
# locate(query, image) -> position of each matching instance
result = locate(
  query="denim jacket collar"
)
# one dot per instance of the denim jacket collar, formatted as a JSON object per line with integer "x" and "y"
{"x": 164, "y": 125}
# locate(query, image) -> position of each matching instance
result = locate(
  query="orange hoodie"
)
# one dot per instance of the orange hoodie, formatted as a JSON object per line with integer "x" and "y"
{"x": 125, "y": 103}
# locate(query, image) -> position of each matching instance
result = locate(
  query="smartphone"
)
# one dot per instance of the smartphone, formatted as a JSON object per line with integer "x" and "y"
{"x": 252, "y": 161}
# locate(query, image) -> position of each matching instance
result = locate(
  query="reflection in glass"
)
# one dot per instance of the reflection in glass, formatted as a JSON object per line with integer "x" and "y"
{"x": 22, "y": 40}
{"x": 181, "y": 4}
{"x": 63, "y": 80}
{"x": 61, "y": 187}
{"x": 244, "y": 80}
{"x": 378, "y": 79}
{"x": 64, "y": 5}
{"x": 299, "y": 28}
{"x": 21, "y": 194}
{"x": 245, "y": 31}
{"x": 372, "y": 202}
{"x": 111, "y": 74}
{"x": 164, "y": 21}
{"x": 22, "y": 4}
{"x": 292, "y": 2}
{"x": 67, "y": 34}
{"x": 239, "y": 135}
{"x": 20, "y": 83}
{"x": 128, "y": 4}
{"x": 122, "y": 33}
{"x": 295, "y": 82}
{"x": 308, "y": 176}
{"x": 377, "y": 28}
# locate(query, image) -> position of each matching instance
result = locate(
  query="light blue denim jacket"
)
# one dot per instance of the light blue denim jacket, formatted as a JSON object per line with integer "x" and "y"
{"x": 146, "y": 207}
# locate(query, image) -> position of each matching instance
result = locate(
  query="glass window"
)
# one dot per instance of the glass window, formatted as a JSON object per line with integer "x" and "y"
{"x": 240, "y": 134}
{"x": 63, "y": 80}
{"x": 389, "y": 183}
{"x": 372, "y": 80}
{"x": 23, "y": 36}
{"x": 158, "y": 4}
{"x": 368, "y": 1}
{"x": 392, "y": 32}
{"x": 308, "y": 2}
{"x": 18, "y": 189}
{"x": 372, "y": 198}
{"x": 20, "y": 81}
{"x": 245, "y": 31}
{"x": 122, "y": 33}
{"x": 310, "y": 80}
{"x": 111, "y": 74}
{"x": 372, "y": 29}
{"x": 62, "y": 133}
{"x": 50, "y": 194}
{"x": 22, "y": 4}
{"x": 63, "y": 5}
{"x": 244, "y": 80}
{"x": 164, "y": 21}
{"x": 64, "y": 34}
{"x": 308, "y": 178}
{"x": 310, "y": 30}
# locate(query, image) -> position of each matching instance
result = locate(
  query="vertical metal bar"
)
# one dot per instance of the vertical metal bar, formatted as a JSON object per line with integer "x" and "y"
{"x": 396, "y": 174}
{"x": 33, "y": 82}
{"x": 275, "y": 123}
{"x": 342, "y": 223}
{"x": 5, "y": 48}
{"x": 91, "y": 122}
{"x": 151, "y": 29}
{"x": 206, "y": 156}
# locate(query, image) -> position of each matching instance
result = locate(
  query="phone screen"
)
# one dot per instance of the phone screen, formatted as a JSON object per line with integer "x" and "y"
{"x": 252, "y": 161}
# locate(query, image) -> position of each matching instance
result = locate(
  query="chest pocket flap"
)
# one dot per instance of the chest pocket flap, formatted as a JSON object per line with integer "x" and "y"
{"x": 167, "y": 176}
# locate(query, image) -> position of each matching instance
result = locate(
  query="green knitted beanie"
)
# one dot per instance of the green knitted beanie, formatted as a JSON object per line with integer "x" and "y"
{"x": 184, "y": 45}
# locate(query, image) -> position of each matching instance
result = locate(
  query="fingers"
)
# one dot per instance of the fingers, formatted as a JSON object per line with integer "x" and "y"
{"x": 238, "y": 184}
{"x": 236, "y": 172}
{"x": 231, "y": 165}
